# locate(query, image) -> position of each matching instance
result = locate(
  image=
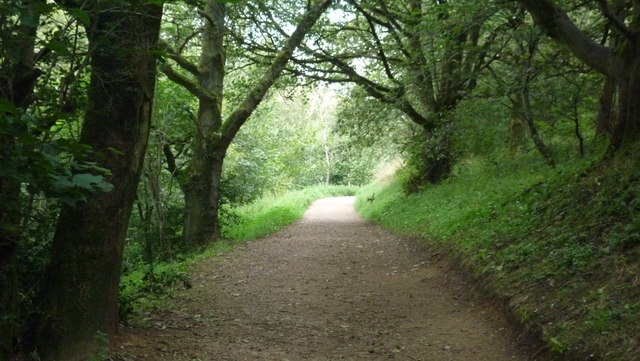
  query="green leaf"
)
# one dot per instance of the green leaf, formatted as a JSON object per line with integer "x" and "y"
{"x": 104, "y": 187}
{"x": 82, "y": 16}
{"x": 61, "y": 182}
{"x": 556, "y": 345}
{"x": 7, "y": 107}
{"x": 58, "y": 46}
{"x": 87, "y": 181}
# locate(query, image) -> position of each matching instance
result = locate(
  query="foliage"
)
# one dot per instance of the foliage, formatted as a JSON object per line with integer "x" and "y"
{"x": 149, "y": 281}
{"x": 298, "y": 147}
{"x": 271, "y": 213}
{"x": 437, "y": 85}
{"x": 54, "y": 167}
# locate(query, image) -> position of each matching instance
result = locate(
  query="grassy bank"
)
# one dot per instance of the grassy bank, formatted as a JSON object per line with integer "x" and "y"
{"x": 562, "y": 246}
{"x": 142, "y": 282}
{"x": 272, "y": 213}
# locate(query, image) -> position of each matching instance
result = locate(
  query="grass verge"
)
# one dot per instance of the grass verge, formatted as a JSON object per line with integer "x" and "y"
{"x": 562, "y": 247}
{"x": 143, "y": 284}
{"x": 272, "y": 213}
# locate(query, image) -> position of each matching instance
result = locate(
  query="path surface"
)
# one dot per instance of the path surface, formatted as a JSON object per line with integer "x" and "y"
{"x": 330, "y": 287}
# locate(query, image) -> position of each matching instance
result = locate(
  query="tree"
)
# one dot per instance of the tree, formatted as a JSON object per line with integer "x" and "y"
{"x": 524, "y": 73}
{"x": 421, "y": 57}
{"x": 33, "y": 154}
{"x": 18, "y": 76}
{"x": 80, "y": 287}
{"x": 213, "y": 134}
{"x": 619, "y": 61}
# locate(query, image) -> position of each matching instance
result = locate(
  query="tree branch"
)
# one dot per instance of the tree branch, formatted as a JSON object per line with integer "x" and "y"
{"x": 383, "y": 57}
{"x": 558, "y": 26}
{"x": 616, "y": 21}
{"x": 187, "y": 40}
{"x": 317, "y": 77}
{"x": 186, "y": 83}
{"x": 236, "y": 119}
{"x": 180, "y": 60}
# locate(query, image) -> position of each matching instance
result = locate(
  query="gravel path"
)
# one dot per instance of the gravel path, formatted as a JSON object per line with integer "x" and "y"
{"x": 330, "y": 287}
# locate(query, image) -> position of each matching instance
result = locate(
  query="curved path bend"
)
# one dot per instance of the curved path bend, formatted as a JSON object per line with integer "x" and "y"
{"x": 329, "y": 287}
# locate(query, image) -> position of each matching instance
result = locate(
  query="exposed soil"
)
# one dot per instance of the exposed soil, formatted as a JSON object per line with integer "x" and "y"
{"x": 330, "y": 287}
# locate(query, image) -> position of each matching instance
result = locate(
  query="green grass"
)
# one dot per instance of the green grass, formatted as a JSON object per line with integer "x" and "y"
{"x": 143, "y": 286}
{"x": 272, "y": 213}
{"x": 562, "y": 246}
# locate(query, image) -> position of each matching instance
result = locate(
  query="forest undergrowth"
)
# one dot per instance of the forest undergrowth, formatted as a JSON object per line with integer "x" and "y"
{"x": 560, "y": 247}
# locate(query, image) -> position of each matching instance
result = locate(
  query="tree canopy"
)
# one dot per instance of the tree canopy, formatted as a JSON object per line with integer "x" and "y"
{"x": 129, "y": 130}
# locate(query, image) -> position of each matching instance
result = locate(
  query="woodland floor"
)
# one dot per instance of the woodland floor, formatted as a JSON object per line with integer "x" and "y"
{"x": 329, "y": 287}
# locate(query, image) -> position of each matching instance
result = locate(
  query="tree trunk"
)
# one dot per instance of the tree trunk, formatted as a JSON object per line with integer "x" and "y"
{"x": 516, "y": 132}
{"x": 575, "y": 117}
{"x": 80, "y": 288}
{"x": 605, "y": 121}
{"x": 202, "y": 193}
{"x": 8, "y": 276}
{"x": 17, "y": 81}
{"x": 152, "y": 175}
{"x": 201, "y": 199}
{"x": 11, "y": 209}
{"x": 523, "y": 107}
{"x": 627, "y": 129}
{"x": 620, "y": 61}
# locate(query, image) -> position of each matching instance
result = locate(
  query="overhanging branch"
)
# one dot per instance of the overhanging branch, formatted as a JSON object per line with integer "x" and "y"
{"x": 187, "y": 83}
{"x": 180, "y": 60}
{"x": 615, "y": 20}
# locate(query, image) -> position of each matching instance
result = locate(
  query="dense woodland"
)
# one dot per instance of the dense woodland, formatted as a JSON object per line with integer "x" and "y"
{"x": 130, "y": 131}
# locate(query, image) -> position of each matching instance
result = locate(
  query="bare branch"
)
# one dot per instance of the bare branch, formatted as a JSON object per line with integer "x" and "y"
{"x": 187, "y": 40}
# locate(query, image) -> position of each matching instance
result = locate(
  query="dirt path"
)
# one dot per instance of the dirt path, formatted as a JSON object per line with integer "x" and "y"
{"x": 330, "y": 287}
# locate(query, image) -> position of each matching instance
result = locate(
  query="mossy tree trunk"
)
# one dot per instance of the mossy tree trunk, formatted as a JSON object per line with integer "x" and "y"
{"x": 80, "y": 288}
{"x": 201, "y": 197}
{"x": 627, "y": 127}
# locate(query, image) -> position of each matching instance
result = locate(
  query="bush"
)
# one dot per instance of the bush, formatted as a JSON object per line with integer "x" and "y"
{"x": 150, "y": 282}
